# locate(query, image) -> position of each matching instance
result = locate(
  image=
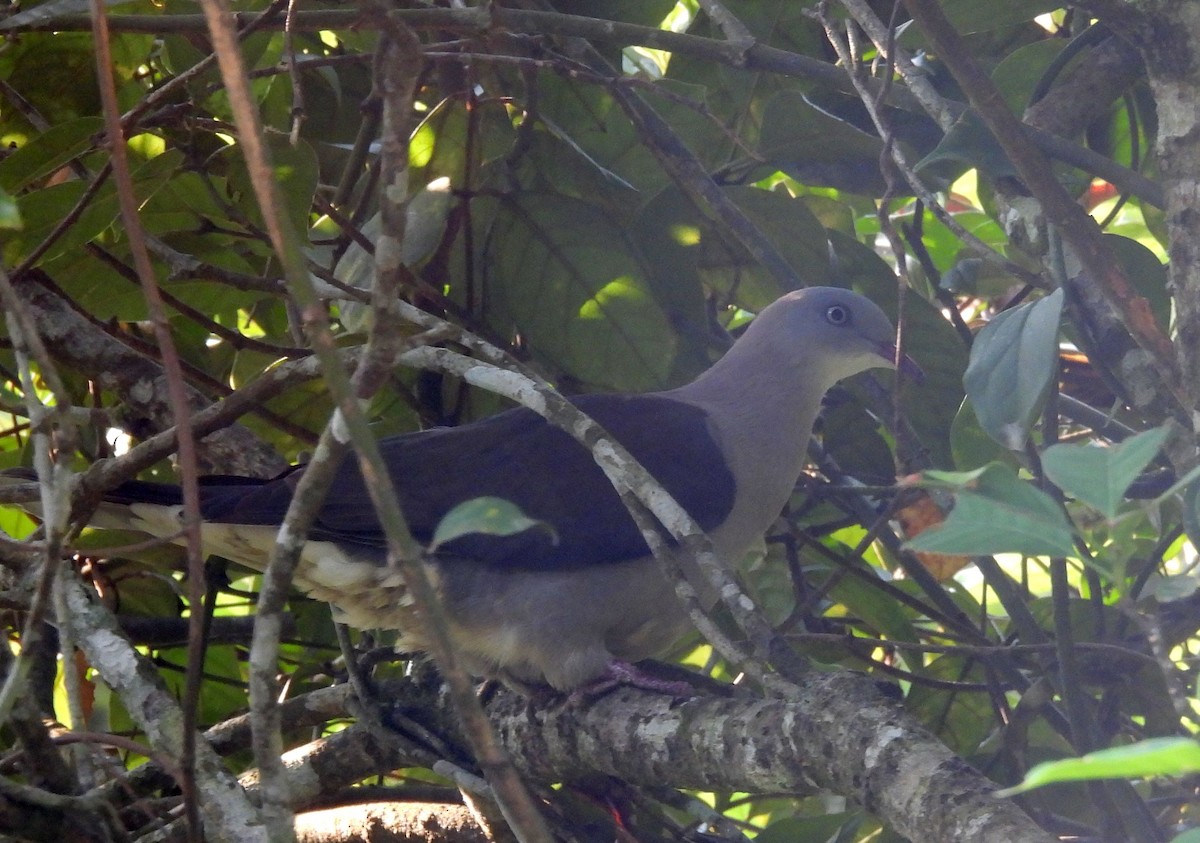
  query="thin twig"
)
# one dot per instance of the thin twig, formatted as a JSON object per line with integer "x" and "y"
{"x": 866, "y": 93}
{"x": 178, "y": 401}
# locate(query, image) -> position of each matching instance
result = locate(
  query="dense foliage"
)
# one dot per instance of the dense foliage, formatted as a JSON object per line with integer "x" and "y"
{"x": 605, "y": 202}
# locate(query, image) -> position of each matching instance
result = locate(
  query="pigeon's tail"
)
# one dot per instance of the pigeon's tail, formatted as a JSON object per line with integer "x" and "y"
{"x": 221, "y": 496}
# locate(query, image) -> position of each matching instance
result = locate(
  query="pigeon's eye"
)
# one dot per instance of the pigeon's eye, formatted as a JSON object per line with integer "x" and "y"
{"x": 836, "y": 314}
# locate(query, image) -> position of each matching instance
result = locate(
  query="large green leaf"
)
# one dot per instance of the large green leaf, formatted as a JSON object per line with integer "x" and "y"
{"x": 981, "y": 15}
{"x": 1145, "y": 272}
{"x": 970, "y": 444}
{"x": 817, "y": 148}
{"x": 678, "y": 242}
{"x": 295, "y": 171}
{"x": 968, "y": 142}
{"x": 55, "y": 75}
{"x": 996, "y": 512}
{"x": 586, "y": 140}
{"x": 564, "y": 277}
{"x": 1021, "y": 71}
{"x": 669, "y": 233}
{"x": 1013, "y": 362}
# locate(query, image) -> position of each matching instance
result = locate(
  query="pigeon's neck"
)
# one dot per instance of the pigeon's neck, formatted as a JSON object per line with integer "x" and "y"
{"x": 750, "y": 394}
{"x": 762, "y": 415}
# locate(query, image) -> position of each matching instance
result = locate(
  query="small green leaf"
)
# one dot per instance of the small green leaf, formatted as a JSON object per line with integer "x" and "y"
{"x": 996, "y": 512}
{"x": 491, "y": 516}
{"x": 1013, "y": 362}
{"x": 1099, "y": 476}
{"x": 1152, "y": 757}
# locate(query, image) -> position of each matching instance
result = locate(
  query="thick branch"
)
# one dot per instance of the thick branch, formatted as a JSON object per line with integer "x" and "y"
{"x": 839, "y": 732}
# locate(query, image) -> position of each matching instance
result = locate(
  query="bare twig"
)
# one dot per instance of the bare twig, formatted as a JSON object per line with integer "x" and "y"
{"x": 873, "y": 105}
{"x": 180, "y": 408}
{"x": 53, "y": 427}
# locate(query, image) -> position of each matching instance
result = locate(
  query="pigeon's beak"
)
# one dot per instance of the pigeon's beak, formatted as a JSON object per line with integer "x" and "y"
{"x": 905, "y": 364}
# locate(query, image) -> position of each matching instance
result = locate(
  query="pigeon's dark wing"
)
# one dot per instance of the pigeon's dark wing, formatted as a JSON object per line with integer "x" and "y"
{"x": 515, "y": 455}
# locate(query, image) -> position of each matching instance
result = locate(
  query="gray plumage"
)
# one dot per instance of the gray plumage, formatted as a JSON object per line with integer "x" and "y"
{"x": 729, "y": 447}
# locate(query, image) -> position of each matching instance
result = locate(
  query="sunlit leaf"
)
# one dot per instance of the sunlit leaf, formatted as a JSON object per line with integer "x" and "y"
{"x": 996, "y": 512}
{"x": 1152, "y": 757}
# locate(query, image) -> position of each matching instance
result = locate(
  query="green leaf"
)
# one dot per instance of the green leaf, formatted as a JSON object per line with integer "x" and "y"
{"x": 42, "y": 210}
{"x": 969, "y": 16}
{"x": 1152, "y": 757}
{"x": 1020, "y": 72}
{"x": 1145, "y": 272}
{"x": 996, "y": 512}
{"x": 490, "y": 516}
{"x": 1099, "y": 476}
{"x": 48, "y": 152}
{"x": 793, "y": 230}
{"x": 1190, "y": 509}
{"x": 1013, "y": 361}
{"x": 295, "y": 170}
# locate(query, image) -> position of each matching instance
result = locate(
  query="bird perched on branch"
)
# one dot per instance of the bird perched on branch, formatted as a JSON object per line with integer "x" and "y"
{"x": 579, "y": 602}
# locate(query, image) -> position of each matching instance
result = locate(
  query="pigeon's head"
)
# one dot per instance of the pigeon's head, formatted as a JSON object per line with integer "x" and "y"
{"x": 831, "y": 332}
